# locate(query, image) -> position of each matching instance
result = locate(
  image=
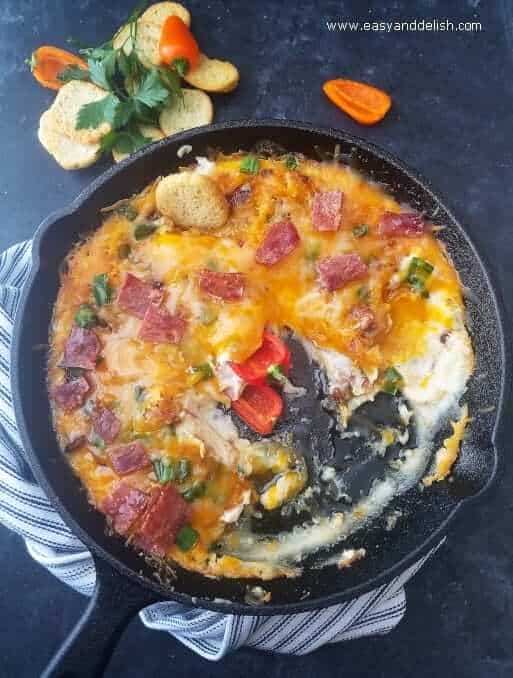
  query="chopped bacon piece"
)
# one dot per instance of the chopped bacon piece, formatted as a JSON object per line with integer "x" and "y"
{"x": 129, "y": 458}
{"x": 326, "y": 210}
{"x": 280, "y": 240}
{"x": 227, "y": 286}
{"x": 166, "y": 514}
{"x": 240, "y": 195}
{"x": 71, "y": 394}
{"x": 135, "y": 296}
{"x": 334, "y": 272}
{"x": 162, "y": 327}
{"x": 82, "y": 349}
{"x": 364, "y": 317}
{"x": 123, "y": 506}
{"x": 405, "y": 224}
{"x": 106, "y": 424}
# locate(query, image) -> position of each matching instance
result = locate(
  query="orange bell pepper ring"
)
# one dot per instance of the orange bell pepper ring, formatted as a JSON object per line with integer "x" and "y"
{"x": 177, "y": 42}
{"x": 364, "y": 103}
{"x": 48, "y": 62}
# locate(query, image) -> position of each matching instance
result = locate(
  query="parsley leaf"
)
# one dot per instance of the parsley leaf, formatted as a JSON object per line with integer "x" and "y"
{"x": 73, "y": 73}
{"x": 151, "y": 91}
{"x": 181, "y": 66}
{"x": 102, "y": 70}
{"x": 96, "y": 112}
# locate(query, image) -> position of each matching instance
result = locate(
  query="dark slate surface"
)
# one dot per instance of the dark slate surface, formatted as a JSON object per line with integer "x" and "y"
{"x": 453, "y": 102}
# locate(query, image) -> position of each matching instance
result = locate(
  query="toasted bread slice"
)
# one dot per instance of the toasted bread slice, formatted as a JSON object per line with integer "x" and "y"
{"x": 150, "y": 132}
{"x": 69, "y": 100}
{"x": 160, "y": 11}
{"x": 213, "y": 75}
{"x": 192, "y": 109}
{"x": 192, "y": 200}
{"x": 69, "y": 154}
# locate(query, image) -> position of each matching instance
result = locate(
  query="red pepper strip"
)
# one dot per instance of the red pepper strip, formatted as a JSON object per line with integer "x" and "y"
{"x": 259, "y": 406}
{"x": 273, "y": 351}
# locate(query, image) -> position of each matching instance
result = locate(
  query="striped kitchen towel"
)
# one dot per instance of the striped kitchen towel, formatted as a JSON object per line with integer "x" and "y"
{"x": 26, "y": 510}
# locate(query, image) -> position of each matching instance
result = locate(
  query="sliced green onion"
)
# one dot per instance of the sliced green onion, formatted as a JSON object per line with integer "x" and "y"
{"x": 363, "y": 293}
{"x": 250, "y": 164}
{"x": 417, "y": 275}
{"x": 360, "y": 231}
{"x": 201, "y": 372}
{"x": 144, "y": 230}
{"x": 187, "y": 538}
{"x": 85, "y": 316}
{"x": 127, "y": 211}
{"x": 164, "y": 470}
{"x": 124, "y": 251}
{"x": 393, "y": 381}
{"x": 276, "y": 373}
{"x": 183, "y": 469}
{"x": 102, "y": 290}
{"x": 191, "y": 493}
{"x": 313, "y": 251}
{"x": 291, "y": 162}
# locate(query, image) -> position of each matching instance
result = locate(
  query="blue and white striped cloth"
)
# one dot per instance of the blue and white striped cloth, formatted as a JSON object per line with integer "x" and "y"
{"x": 26, "y": 510}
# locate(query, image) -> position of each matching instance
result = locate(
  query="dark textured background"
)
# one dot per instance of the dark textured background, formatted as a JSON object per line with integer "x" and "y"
{"x": 452, "y": 115}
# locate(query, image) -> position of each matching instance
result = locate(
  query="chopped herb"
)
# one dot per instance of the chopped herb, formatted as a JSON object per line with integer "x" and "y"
{"x": 124, "y": 251}
{"x": 363, "y": 293}
{"x": 144, "y": 230}
{"x": 95, "y": 113}
{"x": 102, "y": 291}
{"x": 207, "y": 316}
{"x": 360, "y": 231}
{"x": 151, "y": 91}
{"x": 164, "y": 470}
{"x": 313, "y": 251}
{"x": 85, "y": 316}
{"x": 250, "y": 164}
{"x": 393, "y": 381}
{"x": 417, "y": 275}
{"x": 97, "y": 441}
{"x": 201, "y": 372}
{"x": 276, "y": 372}
{"x": 139, "y": 393}
{"x": 191, "y": 493}
{"x": 181, "y": 66}
{"x": 73, "y": 73}
{"x": 291, "y": 162}
{"x": 127, "y": 211}
{"x": 183, "y": 469}
{"x": 187, "y": 538}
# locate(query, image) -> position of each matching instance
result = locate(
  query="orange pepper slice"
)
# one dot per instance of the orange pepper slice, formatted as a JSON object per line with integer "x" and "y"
{"x": 364, "y": 103}
{"x": 177, "y": 42}
{"x": 48, "y": 62}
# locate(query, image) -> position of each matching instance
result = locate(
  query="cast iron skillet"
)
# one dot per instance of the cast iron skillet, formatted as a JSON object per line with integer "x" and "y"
{"x": 125, "y": 582}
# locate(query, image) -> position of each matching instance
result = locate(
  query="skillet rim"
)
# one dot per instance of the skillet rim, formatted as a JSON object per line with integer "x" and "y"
{"x": 229, "y": 606}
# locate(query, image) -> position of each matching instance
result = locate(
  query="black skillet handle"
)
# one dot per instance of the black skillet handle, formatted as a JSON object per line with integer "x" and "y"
{"x": 88, "y": 648}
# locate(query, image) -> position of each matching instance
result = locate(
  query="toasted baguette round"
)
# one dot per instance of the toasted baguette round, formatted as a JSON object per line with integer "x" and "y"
{"x": 192, "y": 109}
{"x": 192, "y": 201}
{"x": 69, "y": 100}
{"x": 160, "y": 11}
{"x": 213, "y": 75}
{"x": 149, "y": 131}
{"x": 69, "y": 154}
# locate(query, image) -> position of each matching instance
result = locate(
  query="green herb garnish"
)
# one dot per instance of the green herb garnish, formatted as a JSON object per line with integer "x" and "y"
{"x": 291, "y": 162}
{"x": 191, "y": 493}
{"x": 164, "y": 470}
{"x": 73, "y": 73}
{"x": 363, "y": 293}
{"x": 85, "y": 316}
{"x": 393, "y": 381}
{"x": 187, "y": 538}
{"x": 124, "y": 251}
{"x": 127, "y": 211}
{"x": 201, "y": 372}
{"x": 313, "y": 251}
{"x": 207, "y": 316}
{"x": 360, "y": 231}
{"x": 97, "y": 441}
{"x": 102, "y": 291}
{"x": 250, "y": 164}
{"x": 181, "y": 66}
{"x": 144, "y": 230}
{"x": 417, "y": 275}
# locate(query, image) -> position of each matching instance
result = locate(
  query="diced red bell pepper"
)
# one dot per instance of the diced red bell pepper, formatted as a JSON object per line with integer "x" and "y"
{"x": 259, "y": 407}
{"x": 273, "y": 351}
